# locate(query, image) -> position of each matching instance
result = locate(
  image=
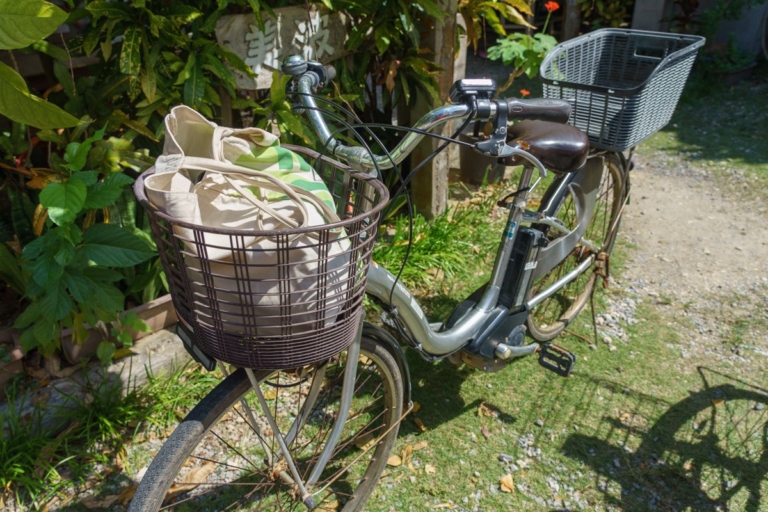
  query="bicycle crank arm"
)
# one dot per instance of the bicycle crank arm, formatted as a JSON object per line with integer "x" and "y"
{"x": 506, "y": 352}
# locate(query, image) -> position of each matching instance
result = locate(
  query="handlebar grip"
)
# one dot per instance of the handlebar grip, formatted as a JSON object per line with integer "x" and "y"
{"x": 541, "y": 109}
{"x": 331, "y": 72}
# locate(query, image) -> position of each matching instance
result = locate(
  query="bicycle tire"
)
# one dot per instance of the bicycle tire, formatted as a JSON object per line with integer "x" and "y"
{"x": 254, "y": 487}
{"x": 549, "y": 318}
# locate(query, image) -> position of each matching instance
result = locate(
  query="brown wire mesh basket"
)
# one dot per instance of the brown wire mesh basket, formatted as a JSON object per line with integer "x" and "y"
{"x": 306, "y": 309}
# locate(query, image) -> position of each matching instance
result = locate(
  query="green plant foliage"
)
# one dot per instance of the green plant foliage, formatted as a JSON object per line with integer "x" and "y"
{"x": 18, "y": 104}
{"x": 605, "y": 13}
{"x": 10, "y": 269}
{"x": 478, "y": 14}
{"x": 277, "y": 111}
{"x": 449, "y": 246}
{"x": 71, "y": 265}
{"x": 725, "y": 58}
{"x": 21, "y": 444}
{"x": 522, "y": 51}
{"x": 167, "y": 55}
{"x": 386, "y": 50}
{"x": 27, "y": 22}
{"x": 22, "y": 24}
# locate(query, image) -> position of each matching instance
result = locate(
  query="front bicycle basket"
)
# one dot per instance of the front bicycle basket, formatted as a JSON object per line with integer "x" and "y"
{"x": 623, "y": 84}
{"x": 273, "y": 299}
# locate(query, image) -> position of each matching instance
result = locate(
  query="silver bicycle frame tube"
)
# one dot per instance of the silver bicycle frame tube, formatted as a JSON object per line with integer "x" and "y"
{"x": 434, "y": 342}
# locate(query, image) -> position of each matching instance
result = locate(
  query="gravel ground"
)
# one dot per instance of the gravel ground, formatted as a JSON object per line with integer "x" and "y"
{"x": 699, "y": 252}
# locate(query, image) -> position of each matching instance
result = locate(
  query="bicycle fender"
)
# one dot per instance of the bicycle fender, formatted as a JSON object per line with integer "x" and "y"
{"x": 393, "y": 347}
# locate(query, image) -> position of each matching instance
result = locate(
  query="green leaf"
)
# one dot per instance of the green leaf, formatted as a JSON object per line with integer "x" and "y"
{"x": 79, "y": 286}
{"x": 130, "y": 55}
{"x": 112, "y": 246}
{"x": 209, "y": 25}
{"x": 88, "y": 177}
{"x": 432, "y": 9}
{"x": 57, "y": 304}
{"x": 106, "y": 275}
{"x": 105, "y": 351}
{"x": 218, "y": 68}
{"x": 101, "y": 195}
{"x": 27, "y": 340}
{"x": 45, "y": 330}
{"x": 28, "y": 316}
{"x": 114, "y": 10}
{"x": 65, "y": 255}
{"x": 90, "y": 42}
{"x": 64, "y": 200}
{"x": 22, "y": 22}
{"x": 108, "y": 297}
{"x": 17, "y": 104}
{"x": 64, "y": 77}
{"x": 234, "y": 60}
{"x": 51, "y": 49}
{"x": 194, "y": 87}
{"x": 45, "y": 271}
{"x": 186, "y": 71}
{"x": 76, "y": 154}
{"x": 149, "y": 82}
{"x": 10, "y": 269}
{"x": 181, "y": 14}
{"x": 277, "y": 89}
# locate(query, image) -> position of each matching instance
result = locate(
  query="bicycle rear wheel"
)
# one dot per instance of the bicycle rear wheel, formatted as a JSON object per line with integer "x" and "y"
{"x": 215, "y": 460}
{"x": 551, "y": 316}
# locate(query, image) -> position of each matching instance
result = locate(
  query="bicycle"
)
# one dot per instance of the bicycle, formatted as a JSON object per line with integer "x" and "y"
{"x": 341, "y": 420}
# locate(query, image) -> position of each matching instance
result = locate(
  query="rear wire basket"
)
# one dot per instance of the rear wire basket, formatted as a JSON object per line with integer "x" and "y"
{"x": 623, "y": 84}
{"x": 307, "y": 319}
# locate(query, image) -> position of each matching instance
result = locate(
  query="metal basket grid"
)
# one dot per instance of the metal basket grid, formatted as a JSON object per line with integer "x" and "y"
{"x": 623, "y": 84}
{"x": 239, "y": 317}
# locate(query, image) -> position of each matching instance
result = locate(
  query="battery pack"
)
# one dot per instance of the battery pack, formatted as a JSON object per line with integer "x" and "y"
{"x": 522, "y": 261}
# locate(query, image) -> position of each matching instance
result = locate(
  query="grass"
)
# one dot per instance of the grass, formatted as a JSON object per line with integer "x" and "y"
{"x": 632, "y": 429}
{"x": 39, "y": 465}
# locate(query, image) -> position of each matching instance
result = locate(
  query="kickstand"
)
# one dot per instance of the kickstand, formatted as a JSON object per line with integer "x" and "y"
{"x": 592, "y": 307}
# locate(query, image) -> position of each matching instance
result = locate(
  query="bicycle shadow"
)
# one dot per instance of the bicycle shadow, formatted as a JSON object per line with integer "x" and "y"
{"x": 706, "y": 452}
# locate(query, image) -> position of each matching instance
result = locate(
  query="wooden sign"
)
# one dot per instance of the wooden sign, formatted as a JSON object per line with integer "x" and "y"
{"x": 313, "y": 32}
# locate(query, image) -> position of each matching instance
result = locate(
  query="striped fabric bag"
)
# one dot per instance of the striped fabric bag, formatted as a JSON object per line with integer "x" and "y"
{"x": 241, "y": 179}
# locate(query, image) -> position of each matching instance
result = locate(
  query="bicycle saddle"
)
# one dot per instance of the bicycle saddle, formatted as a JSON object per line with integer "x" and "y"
{"x": 561, "y": 148}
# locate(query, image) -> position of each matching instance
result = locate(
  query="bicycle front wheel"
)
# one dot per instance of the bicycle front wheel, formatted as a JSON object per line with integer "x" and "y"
{"x": 216, "y": 459}
{"x": 551, "y": 316}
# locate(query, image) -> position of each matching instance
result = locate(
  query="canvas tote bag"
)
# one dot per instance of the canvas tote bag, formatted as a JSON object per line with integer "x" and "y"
{"x": 219, "y": 177}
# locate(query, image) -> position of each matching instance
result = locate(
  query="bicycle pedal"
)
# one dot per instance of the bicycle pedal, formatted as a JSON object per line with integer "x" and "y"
{"x": 557, "y": 359}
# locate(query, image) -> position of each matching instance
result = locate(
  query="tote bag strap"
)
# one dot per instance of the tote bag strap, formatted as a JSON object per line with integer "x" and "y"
{"x": 262, "y": 180}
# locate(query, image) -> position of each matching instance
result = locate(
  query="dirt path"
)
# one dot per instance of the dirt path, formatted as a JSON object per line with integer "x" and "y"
{"x": 691, "y": 238}
{"x": 701, "y": 253}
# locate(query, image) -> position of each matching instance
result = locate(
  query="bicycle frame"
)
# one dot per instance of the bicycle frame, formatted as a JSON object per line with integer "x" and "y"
{"x": 434, "y": 340}
{"x": 430, "y": 338}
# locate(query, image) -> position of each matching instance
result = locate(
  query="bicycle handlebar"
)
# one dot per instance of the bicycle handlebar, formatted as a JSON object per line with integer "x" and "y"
{"x": 556, "y": 111}
{"x": 310, "y": 76}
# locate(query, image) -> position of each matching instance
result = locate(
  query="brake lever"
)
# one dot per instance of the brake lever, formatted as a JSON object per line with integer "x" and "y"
{"x": 496, "y": 145}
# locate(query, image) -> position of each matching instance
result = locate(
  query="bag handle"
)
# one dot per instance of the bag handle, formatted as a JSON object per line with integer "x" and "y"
{"x": 262, "y": 180}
